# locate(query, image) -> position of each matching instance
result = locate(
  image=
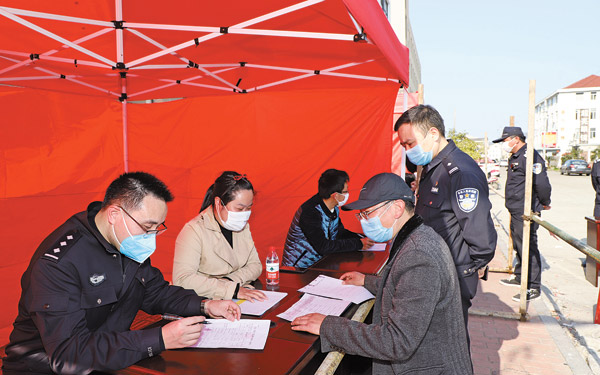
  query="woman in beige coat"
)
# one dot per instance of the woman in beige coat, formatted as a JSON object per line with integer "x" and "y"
{"x": 214, "y": 252}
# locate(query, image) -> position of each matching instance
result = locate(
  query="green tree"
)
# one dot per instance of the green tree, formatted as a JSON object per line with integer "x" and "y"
{"x": 575, "y": 153}
{"x": 595, "y": 154}
{"x": 469, "y": 146}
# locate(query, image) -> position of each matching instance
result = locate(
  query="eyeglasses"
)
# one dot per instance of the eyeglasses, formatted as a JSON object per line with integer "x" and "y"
{"x": 159, "y": 230}
{"x": 365, "y": 214}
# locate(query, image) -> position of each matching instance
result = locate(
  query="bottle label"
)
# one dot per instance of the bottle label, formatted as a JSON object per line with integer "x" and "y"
{"x": 272, "y": 270}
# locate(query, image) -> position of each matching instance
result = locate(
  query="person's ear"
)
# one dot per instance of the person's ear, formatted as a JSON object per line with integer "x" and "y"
{"x": 112, "y": 213}
{"x": 435, "y": 133}
{"x": 399, "y": 208}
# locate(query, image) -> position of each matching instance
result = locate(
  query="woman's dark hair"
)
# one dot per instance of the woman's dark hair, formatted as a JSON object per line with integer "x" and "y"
{"x": 225, "y": 187}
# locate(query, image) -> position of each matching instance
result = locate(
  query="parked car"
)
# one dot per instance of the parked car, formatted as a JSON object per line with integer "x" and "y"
{"x": 576, "y": 166}
{"x": 504, "y": 163}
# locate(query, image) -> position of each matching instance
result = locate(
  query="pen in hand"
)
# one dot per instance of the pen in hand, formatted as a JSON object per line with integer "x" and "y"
{"x": 177, "y": 317}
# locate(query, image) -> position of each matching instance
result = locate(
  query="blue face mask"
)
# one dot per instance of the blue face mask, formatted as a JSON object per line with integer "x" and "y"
{"x": 138, "y": 247}
{"x": 373, "y": 229}
{"x": 417, "y": 156}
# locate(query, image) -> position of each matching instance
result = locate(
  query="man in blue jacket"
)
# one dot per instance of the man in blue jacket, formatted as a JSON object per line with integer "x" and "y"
{"x": 317, "y": 229}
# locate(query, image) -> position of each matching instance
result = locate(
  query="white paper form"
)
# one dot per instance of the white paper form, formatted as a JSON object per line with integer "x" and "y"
{"x": 330, "y": 287}
{"x": 314, "y": 304}
{"x": 257, "y": 308}
{"x": 378, "y": 246}
{"x": 241, "y": 334}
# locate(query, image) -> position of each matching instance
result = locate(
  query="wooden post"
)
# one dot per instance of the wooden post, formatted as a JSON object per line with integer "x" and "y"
{"x": 485, "y": 152}
{"x": 512, "y": 121}
{"x": 527, "y": 208}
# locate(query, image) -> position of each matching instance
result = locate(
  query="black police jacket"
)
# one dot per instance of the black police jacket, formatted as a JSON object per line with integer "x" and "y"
{"x": 79, "y": 298}
{"x": 453, "y": 199}
{"x": 515, "y": 183}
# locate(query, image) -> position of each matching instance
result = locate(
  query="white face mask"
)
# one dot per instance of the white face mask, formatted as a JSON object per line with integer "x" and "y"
{"x": 506, "y": 147}
{"x": 343, "y": 202}
{"x": 236, "y": 221}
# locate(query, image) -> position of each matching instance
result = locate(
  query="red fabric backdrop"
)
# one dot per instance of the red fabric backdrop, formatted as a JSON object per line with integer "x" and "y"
{"x": 58, "y": 152}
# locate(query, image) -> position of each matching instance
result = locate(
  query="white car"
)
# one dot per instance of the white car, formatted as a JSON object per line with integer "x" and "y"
{"x": 504, "y": 163}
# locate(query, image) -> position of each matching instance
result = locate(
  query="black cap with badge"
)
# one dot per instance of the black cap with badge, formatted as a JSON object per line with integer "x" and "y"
{"x": 380, "y": 188}
{"x": 510, "y": 131}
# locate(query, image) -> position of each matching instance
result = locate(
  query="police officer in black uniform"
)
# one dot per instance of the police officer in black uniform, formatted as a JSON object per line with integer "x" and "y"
{"x": 452, "y": 196}
{"x": 89, "y": 278}
{"x": 514, "y": 143}
{"x": 595, "y": 175}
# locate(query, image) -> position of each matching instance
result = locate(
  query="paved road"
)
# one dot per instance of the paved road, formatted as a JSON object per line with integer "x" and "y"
{"x": 570, "y": 298}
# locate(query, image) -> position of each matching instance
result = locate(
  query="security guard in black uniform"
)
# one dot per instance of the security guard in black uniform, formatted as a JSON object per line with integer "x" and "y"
{"x": 89, "y": 278}
{"x": 595, "y": 175}
{"x": 514, "y": 143}
{"x": 452, "y": 196}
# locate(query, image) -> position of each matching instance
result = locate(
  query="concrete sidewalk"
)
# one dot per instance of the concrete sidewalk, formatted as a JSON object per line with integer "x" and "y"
{"x": 508, "y": 346}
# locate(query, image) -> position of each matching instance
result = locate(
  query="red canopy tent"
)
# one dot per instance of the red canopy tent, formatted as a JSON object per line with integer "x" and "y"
{"x": 278, "y": 89}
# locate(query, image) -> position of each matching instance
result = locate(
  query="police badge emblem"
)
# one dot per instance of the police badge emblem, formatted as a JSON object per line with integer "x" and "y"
{"x": 97, "y": 279}
{"x": 467, "y": 199}
{"x": 537, "y": 168}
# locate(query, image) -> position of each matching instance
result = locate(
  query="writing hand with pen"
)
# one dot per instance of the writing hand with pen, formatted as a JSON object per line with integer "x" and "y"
{"x": 184, "y": 332}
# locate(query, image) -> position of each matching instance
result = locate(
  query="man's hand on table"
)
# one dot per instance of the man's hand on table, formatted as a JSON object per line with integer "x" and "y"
{"x": 353, "y": 278}
{"x": 310, "y": 323}
{"x": 223, "y": 309}
{"x": 182, "y": 333}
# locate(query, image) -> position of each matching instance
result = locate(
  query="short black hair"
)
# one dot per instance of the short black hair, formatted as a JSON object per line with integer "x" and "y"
{"x": 225, "y": 187}
{"x": 130, "y": 189}
{"x": 332, "y": 181}
{"x": 408, "y": 178}
{"x": 424, "y": 117}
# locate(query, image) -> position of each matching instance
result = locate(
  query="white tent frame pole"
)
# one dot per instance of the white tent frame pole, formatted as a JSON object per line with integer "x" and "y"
{"x": 155, "y": 43}
{"x": 55, "y": 37}
{"x": 53, "y": 75}
{"x": 253, "y": 21}
{"x": 119, "y": 14}
{"x": 47, "y": 55}
{"x": 121, "y": 59}
{"x": 57, "y": 17}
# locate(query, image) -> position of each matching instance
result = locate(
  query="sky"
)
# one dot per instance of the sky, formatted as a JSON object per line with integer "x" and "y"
{"x": 477, "y": 57}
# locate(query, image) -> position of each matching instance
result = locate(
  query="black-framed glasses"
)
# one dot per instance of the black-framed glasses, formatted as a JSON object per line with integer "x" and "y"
{"x": 160, "y": 229}
{"x": 365, "y": 214}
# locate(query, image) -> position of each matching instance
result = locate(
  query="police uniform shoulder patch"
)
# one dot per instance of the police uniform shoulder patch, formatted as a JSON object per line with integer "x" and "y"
{"x": 451, "y": 169}
{"x": 61, "y": 246}
{"x": 537, "y": 168}
{"x": 467, "y": 199}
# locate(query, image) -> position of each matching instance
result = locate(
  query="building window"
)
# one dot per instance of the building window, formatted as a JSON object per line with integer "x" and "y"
{"x": 385, "y": 6}
{"x": 592, "y": 113}
{"x": 593, "y": 95}
{"x": 579, "y": 96}
{"x": 576, "y": 114}
{"x": 592, "y": 132}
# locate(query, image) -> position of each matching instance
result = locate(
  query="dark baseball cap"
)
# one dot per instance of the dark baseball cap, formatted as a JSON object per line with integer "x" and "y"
{"x": 380, "y": 188}
{"x": 510, "y": 131}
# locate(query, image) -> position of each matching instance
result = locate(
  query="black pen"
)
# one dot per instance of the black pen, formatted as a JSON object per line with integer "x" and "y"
{"x": 177, "y": 317}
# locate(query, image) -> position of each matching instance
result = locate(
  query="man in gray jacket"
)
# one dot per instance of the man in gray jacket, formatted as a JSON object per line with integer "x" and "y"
{"x": 417, "y": 319}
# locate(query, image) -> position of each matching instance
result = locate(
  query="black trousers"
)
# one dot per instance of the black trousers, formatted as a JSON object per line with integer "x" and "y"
{"x": 468, "y": 289}
{"x": 534, "y": 278}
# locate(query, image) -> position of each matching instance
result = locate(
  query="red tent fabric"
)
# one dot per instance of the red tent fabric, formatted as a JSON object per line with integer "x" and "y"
{"x": 312, "y": 102}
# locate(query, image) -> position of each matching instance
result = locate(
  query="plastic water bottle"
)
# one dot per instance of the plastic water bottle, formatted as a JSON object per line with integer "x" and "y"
{"x": 272, "y": 266}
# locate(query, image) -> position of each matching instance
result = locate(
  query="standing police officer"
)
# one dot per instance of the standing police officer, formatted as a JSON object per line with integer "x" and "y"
{"x": 514, "y": 143}
{"x": 452, "y": 197}
{"x": 596, "y": 184}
